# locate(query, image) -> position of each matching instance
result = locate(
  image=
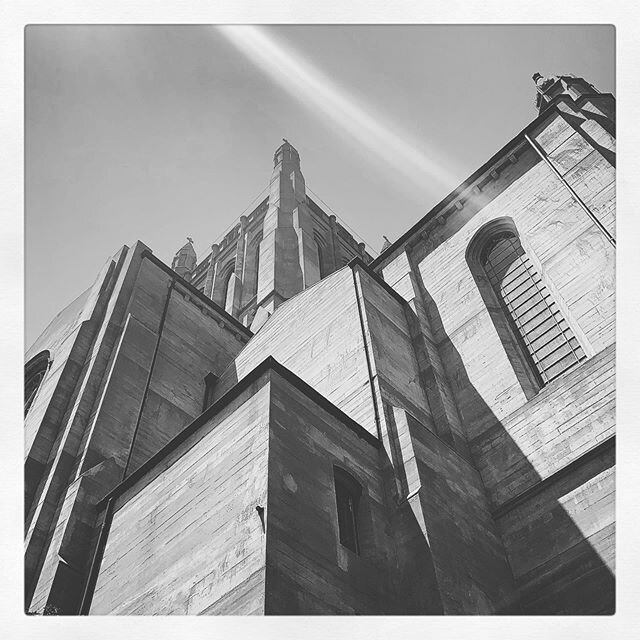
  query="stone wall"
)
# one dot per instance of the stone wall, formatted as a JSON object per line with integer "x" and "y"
{"x": 308, "y": 570}
{"x": 68, "y": 339}
{"x": 316, "y": 334}
{"x": 471, "y": 571}
{"x": 187, "y": 538}
{"x": 479, "y": 486}
{"x": 142, "y": 380}
{"x": 545, "y": 456}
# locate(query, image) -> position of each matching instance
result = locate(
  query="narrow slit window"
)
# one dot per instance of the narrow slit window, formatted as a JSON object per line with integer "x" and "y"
{"x": 257, "y": 268}
{"x": 536, "y": 320}
{"x": 320, "y": 260}
{"x": 321, "y": 247}
{"x": 210, "y": 382}
{"x": 229, "y": 291}
{"x": 348, "y": 493}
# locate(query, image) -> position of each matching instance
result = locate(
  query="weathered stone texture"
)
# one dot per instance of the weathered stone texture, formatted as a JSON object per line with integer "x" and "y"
{"x": 308, "y": 570}
{"x": 61, "y": 579}
{"x": 569, "y": 417}
{"x": 469, "y": 562}
{"x": 101, "y": 422}
{"x": 393, "y": 357}
{"x": 576, "y": 263}
{"x": 483, "y": 490}
{"x": 184, "y": 343}
{"x": 68, "y": 338}
{"x": 584, "y": 153}
{"x": 189, "y": 535}
{"x": 192, "y": 344}
{"x": 469, "y": 559}
{"x": 318, "y": 336}
{"x": 519, "y": 441}
{"x": 65, "y": 455}
{"x": 561, "y": 542}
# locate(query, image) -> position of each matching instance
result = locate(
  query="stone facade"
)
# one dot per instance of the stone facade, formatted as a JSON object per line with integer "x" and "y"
{"x": 287, "y": 243}
{"x": 189, "y": 430}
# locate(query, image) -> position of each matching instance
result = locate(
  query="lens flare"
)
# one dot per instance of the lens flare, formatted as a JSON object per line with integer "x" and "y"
{"x": 312, "y": 87}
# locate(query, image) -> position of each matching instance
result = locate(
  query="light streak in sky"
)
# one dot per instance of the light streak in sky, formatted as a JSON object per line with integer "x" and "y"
{"x": 311, "y": 86}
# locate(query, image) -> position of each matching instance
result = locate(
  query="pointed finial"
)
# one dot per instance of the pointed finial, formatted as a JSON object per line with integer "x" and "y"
{"x": 190, "y": 239}
{"x": 386, "y": 243}
{"x": 285, "y": 140}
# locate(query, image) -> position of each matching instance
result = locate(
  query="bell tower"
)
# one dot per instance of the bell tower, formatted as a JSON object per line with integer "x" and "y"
{"x": 569, "y": 85}
{"x": 289, "y": 259}
{"x": 185, "y": 260}
{"x": 285, "y": 245}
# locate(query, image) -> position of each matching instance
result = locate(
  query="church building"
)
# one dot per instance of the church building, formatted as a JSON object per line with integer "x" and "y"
{"x": 290, "y": 426}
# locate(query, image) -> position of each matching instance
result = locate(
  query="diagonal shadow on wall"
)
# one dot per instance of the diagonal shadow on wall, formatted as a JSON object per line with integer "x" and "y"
{"x": 552, "y": 501}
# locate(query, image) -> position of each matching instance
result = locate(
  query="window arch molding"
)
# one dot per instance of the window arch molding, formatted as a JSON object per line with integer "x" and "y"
{"x": 253, "y": 252}
{"x": 223, "y": 280}
{"x": 228, "y": 291}
{"x": 354, "y": 521}
{"x": 484, "y": 235}
{"x": 34, "y": 373}
{"x": 321, "y": 248}
{"x": 529, "y": 319}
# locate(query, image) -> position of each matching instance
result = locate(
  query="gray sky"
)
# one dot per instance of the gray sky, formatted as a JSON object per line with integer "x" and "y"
{"x": 157, "y": 133}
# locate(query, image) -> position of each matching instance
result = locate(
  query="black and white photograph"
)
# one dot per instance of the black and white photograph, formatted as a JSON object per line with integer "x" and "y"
{"x": 319, "y": 320}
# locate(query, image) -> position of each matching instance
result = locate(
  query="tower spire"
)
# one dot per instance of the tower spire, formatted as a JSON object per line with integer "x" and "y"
{"x": 289, "y": 260}
{"x": 548, "y": 88}
{"x": 185, "y": 260}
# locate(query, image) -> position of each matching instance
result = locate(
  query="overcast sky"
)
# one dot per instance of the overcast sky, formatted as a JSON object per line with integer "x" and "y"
{"x": 158, "y": 133}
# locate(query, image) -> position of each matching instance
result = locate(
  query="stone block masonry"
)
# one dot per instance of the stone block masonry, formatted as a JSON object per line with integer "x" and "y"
{"x": 381, "y": 441}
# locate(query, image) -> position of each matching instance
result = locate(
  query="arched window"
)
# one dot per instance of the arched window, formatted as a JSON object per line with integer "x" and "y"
{"x": 228, "y": 290}
{"x": 546, "y": 340}
{"x": 251, "y": 269}
{"x": 348, "y": 492}
{"x": 34, "y": 373}
{"x": 320, "y": 260}
{"x": 321, "y": 247}
{"x": 210, "y": 381}
{"x": 257, "y": 267}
